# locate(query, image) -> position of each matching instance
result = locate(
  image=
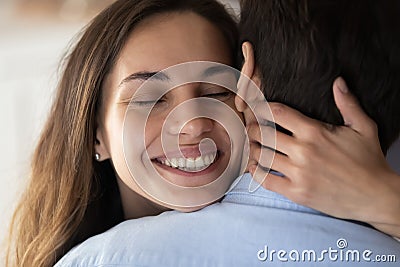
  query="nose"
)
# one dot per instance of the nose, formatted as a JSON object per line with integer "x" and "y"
{"x": 189, "y": 126}
{"x": 187, "y": 120}
{"x": 196, "y": 128}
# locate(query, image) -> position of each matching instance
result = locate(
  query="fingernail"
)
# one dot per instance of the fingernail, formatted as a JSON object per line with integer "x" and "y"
{"x": 252, "y": 169}
{"x": 341, "y": 84}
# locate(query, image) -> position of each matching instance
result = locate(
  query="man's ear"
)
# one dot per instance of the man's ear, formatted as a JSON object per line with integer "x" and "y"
{"x": 100, "y": 145}
{"x": 249, "y": 62}
{"x": 248, "y": 73}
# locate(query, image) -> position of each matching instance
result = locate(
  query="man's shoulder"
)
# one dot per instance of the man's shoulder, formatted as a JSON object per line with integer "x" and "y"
{"x": 224, "y": 234}
{"x": 230, "y": 233}
{"x": 132, "y": 242}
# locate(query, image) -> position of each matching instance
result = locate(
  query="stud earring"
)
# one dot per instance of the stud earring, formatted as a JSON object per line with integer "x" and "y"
{"x": 97, "y": 156}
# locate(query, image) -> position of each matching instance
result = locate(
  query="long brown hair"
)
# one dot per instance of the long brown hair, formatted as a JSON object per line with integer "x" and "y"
{"x": 70, "y": 196}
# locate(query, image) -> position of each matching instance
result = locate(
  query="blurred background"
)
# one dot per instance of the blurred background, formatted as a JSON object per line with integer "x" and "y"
{"x": 34, "y": 34}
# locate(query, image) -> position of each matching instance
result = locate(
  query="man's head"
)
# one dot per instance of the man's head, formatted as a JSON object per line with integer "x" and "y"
{"x": 301, "y": 46}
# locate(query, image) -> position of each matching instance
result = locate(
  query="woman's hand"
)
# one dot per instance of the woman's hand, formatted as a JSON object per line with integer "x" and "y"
{"x": 340, "y": 171}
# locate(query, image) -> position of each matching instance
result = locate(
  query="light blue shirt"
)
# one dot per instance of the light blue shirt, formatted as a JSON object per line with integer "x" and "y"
{"x": 246, "y": 229}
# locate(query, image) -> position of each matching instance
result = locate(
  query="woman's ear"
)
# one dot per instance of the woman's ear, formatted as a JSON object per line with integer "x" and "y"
{"x": 101, "y": 151}
{"x": 248, "y": 73}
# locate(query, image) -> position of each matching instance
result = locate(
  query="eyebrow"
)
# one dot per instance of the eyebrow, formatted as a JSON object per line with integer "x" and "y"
{"x": 145, "y": 75}
{"x": 161, "y": 76}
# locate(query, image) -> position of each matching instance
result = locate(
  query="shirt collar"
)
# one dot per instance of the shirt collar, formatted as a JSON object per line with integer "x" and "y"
{"x": 245, "y": 190}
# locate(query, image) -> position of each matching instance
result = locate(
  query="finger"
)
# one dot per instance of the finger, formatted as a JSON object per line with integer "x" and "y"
{"x": 259, "y": 174}
{"x": 263, "y": 156}
{"x": 248, "y": 91}
{"x": 292, "y": 120}
{"x": 251, "y": 164}
{"x": 282, "y": 164}
{"x": 268, "y": 136}
{"x": 264, "y": 135}
{"x": 351, "y": 111}
{"x": 262, "y": 111}
{"x": 240, "y": 104}
{"x": 276, "y": 183}
{"x": 268, "y": 159}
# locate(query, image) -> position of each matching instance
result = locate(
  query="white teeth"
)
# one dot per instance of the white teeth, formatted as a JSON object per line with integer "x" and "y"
{"x": 190, "y": 164}
{"x": 181, "y": 163}
{"x": 199, "y": 162}
{"x": 212, "y": 157}
{"x": 207, "y": 160}
{"x": 174, "y": 162}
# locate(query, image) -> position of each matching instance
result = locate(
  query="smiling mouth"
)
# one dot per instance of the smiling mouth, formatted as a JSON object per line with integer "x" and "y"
{"x": 189, "y": 164}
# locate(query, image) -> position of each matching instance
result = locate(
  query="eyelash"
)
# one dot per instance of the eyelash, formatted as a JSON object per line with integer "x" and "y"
{"x": 147, "y": 103}
{"x": 219, "y": 95}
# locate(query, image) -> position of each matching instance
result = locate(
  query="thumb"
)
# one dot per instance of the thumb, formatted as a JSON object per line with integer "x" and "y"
{"x": 350, "y": 109}
{"x": 240, "y": 104}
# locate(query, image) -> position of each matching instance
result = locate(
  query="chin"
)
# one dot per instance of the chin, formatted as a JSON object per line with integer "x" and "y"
{"x": 192, "y": 209}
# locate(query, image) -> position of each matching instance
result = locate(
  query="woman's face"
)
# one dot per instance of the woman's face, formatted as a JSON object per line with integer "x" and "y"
{"x": 156, "y": 44}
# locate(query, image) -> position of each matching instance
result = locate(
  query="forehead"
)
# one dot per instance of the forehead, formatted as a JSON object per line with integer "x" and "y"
{"x": 168, "y": 39}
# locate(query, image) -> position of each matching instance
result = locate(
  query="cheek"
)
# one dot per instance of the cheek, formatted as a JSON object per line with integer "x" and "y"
{"x": 126, "y": 148}
{"x": 121, "y": 138}
{"x": 221, "y": 137}
{"x": 116, "y": 148}
{"x": 114, "y": 129}
{"x": 153, "y": 129}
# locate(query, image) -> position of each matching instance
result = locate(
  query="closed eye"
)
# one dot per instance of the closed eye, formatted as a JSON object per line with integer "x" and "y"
{"x": 147, "y": 103}
{"x": 143, "y": 102}
{"x": 223, "y": 96}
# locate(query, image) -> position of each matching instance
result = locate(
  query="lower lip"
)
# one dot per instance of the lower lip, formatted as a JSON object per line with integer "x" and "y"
{"x": 176, "y": 171}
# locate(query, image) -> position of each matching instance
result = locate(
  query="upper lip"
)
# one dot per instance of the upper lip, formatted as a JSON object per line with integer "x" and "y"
{"x": 188, "y": 152}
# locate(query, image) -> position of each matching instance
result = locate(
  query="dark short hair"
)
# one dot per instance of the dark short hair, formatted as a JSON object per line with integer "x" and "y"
{"x": 301, "y": 46}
